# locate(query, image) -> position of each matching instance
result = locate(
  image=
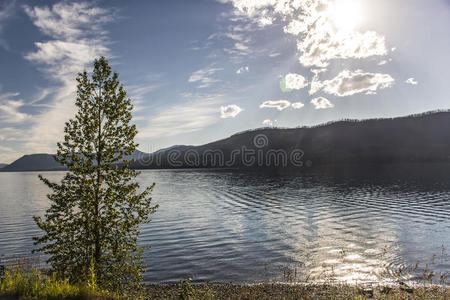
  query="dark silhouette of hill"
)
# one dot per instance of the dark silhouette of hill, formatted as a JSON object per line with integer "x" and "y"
{"x": 3, "y": 165}
{"x": 417, "y": 138}
{"x": 46, "y": 162}
{"x": 34, "y": 162}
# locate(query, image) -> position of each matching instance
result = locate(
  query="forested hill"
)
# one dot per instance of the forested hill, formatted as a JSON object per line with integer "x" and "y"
{"x": 44, "y": 162}
{"x": 416, "y": 138}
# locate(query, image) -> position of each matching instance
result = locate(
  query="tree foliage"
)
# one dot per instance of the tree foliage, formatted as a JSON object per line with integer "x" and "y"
{"x": 96, "y": 210}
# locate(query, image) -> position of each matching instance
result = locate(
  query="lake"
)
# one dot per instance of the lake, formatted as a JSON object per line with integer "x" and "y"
{"x": 353, "y": 224}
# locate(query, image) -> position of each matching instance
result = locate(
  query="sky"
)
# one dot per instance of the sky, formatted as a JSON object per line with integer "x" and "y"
{"x": 201, "y": 70}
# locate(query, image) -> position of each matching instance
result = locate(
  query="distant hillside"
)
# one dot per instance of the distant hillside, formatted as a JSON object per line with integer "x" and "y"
{"x": 417, "y": 138}
{"x": 3, "y": 165}
{"x": 34, "y": 162}
{"x": 46, "y": 162}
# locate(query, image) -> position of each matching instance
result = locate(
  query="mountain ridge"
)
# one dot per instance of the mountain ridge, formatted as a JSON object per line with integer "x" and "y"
{"x": 45, "y": 162}
{"x": 413, "y": 138}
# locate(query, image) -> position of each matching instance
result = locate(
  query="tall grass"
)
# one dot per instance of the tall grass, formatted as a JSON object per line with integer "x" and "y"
{"x": 30, "y": 283}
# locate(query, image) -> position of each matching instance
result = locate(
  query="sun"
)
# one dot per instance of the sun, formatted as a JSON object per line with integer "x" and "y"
{"x": 346, "y": 14}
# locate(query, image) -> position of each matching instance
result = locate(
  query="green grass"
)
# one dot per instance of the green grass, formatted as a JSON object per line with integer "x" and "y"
{"x": 24, "y": 281}
{"x": 19, "y": 283}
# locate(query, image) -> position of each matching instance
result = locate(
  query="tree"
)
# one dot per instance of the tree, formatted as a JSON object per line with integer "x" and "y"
{"x": 96, "y": 210}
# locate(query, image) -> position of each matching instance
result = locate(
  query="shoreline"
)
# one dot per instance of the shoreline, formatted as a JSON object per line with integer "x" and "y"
{"x": 185, "y": 290}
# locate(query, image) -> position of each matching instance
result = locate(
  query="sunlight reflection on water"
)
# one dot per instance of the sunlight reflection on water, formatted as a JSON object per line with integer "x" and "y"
{"x": 249, "y": 227}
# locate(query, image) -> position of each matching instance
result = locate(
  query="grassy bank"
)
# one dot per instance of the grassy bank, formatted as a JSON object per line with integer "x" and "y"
{"x": 32, "y": 288}
{"x": 23, "y": 283}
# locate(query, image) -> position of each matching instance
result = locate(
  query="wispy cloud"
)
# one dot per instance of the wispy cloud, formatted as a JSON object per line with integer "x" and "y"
{"x": 194, "y": 113}
{"x": 321, "y": 103}
{"x": 76, "y": 37}
{"x": 6, "y": 11}
{"x": 141, "y": 93}
{"x": 238, "y": 35}
{"x": 8, "y": 154}
{"x": 204, "y": 77}
{"x": 278, "y": 104}
{"x": 11, "y": 134}
{"x": 10, "y": 109}
{"x": 10, "y": 137}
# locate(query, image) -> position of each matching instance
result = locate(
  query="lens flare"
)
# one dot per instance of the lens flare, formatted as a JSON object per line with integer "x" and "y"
{"x": 346, "y": 14}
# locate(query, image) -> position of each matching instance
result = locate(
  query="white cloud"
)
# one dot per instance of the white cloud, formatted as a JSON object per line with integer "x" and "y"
{"x": 235, "y": 36}
{"x": 320, "y": 40}
{"x": 274, "y": 54}
{"x": 254, "y": 8}
{"x": 295, "y": 27}
{"x": 297, "y": 105}
{"x": 242, "y": 70}
{"x": 383, "y": 62}
{"x": 295, "y": 81}
{"x": 11, "y": 134}
{"x": 141, "y": 94}
{"x": 76, "y": 38}
{"x": 411, "y": 81}
{"x": 316, "y": 84}
{"x": 193, "y": 114}
{"x": 321, "y": 103}
{"x": 265, "y": 20}
{"x": 241, "y": 41}
{"x": 349, "y": 83}
{"x": 229, "y": 111}
{"x": 267, "y": 122}
{"x": 70, "y": 21}
{"x": 278, "y": 104}
{"x": 204, "y": 77}
{"x": 8, "y": 154}
{"x": 63, "y": 59}
{"x": 313, "y": 22}
{"x": 320, "y": 46}
{"x": 9, "y": 109}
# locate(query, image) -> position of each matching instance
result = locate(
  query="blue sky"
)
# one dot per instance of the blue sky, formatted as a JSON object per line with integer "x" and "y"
{"x": 202, "y": 70}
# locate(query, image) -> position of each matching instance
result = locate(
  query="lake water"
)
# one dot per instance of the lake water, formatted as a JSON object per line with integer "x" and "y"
{"x": 355, "y": 224}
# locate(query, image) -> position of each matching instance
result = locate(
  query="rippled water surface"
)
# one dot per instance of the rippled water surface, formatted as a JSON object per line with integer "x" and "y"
{"x": 245, "y": 226}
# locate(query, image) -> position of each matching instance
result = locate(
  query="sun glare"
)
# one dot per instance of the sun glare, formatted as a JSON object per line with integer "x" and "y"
{"x": 346, "y": 14}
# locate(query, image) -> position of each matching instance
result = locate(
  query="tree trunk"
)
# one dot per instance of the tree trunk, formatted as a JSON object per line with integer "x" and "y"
{"x": 97, "y": 253}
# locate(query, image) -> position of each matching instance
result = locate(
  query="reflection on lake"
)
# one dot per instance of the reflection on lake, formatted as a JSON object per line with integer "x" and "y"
{"x": 218, "y": 225}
